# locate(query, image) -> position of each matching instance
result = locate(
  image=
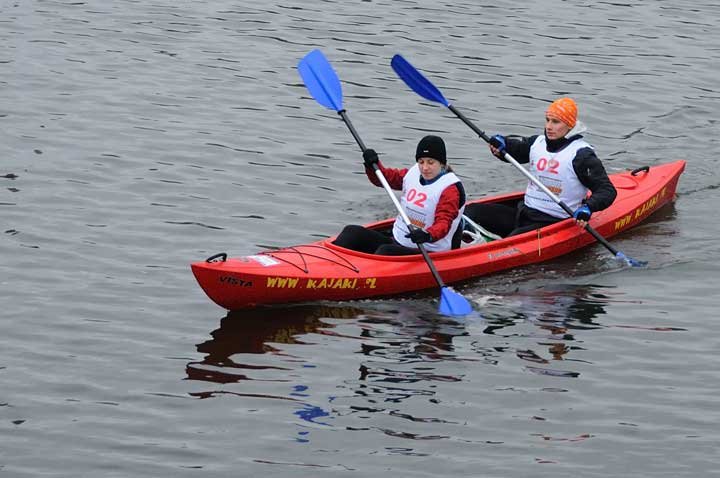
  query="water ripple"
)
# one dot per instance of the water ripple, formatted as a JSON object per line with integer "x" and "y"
{"x": 139, "y": 137}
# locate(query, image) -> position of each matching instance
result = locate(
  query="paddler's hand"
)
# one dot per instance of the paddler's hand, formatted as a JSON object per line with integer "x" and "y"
{"x": 370, "y": 157}
{"x": 497, "y": 145}
{"x": 419, "y": 236}
{"x": 582, "y": 215}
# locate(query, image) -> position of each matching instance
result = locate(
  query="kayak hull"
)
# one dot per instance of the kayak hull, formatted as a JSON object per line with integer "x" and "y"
{"x": 323, "y": 271}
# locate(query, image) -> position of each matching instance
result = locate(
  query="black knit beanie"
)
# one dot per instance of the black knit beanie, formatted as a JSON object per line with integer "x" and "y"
{"x": 431, "y": 147}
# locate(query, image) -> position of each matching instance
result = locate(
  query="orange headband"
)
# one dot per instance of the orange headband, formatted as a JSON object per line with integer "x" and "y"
{"x": 563, "y": 109}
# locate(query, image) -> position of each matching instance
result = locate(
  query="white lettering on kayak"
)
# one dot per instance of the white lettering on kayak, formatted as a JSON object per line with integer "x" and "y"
{"x": 506, "y": 252}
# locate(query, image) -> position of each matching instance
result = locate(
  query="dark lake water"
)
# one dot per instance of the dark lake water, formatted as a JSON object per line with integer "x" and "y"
{"x": 138, "y": 137}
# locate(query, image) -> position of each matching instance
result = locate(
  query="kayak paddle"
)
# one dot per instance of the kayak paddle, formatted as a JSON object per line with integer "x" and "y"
{"x": 323, "y": 84}
{"x": 423, "y": 87}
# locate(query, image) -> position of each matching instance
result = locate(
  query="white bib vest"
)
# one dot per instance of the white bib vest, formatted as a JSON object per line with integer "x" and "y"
{"x": 419, "y": 202}
{"x": 555, "y": 171}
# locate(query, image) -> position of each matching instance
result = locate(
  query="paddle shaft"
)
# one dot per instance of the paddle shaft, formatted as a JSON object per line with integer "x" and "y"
{"x": 388, "y": 189}
{"x": 535, "y": 181}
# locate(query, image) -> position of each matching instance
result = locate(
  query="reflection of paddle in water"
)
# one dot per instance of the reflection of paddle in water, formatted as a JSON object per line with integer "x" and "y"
{"x": 308, "y": 413}
{"x": 261, "y": 331}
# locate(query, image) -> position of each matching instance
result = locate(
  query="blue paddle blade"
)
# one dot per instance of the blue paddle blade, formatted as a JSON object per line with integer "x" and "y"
{"x": 416, "y": 81}
{"x": 630, "y": 261}
{"x": 452, "y": 303}
{"x": 321, "y": 80}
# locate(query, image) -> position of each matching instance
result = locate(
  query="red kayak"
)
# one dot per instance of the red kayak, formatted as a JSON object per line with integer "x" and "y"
{"x": 324, "y": 271}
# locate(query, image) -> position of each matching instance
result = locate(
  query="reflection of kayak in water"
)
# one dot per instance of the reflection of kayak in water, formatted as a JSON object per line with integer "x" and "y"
{"x": 259, "y": 331}
{"x": 324, "y": 271}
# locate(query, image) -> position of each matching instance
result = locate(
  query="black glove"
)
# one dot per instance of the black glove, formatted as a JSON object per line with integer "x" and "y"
{"x": 418, "y": 236}
{"x": 370, "y": 157}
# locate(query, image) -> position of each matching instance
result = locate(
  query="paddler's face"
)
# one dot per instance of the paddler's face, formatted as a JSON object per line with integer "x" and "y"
{"x": 555, "y": 129}
{"x": 429, "y": 168}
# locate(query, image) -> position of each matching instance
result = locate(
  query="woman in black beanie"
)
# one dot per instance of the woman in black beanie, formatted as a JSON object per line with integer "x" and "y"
{"x": 432, "y": 196}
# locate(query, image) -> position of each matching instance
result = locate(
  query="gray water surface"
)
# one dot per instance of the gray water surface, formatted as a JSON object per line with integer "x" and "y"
{"x": 138, "y": 137}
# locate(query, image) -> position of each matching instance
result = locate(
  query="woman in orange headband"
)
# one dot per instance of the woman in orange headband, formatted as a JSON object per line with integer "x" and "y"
{"x": 564, "y": 162}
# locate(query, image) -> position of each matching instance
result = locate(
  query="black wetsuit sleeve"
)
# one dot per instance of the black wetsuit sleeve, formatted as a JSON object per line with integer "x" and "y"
{"x": 519, "y": 148}
{"x": 592, "y": 175}
{"x": 461, "y": 192}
